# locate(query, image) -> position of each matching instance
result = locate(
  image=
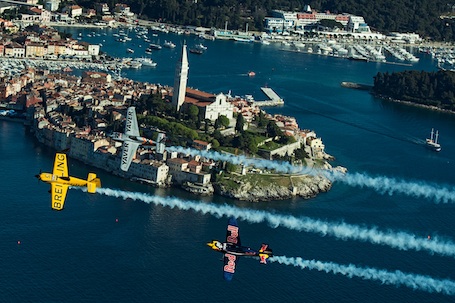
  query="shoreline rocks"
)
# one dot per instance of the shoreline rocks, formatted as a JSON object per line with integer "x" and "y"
{"x": 304, "y": 186}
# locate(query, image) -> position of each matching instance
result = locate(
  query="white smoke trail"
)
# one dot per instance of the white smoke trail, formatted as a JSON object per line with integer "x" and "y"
{"x": 398, "y": 278}
{"x": 399, "y": 240}
{"x": 385, "y": 185}
{"x": 382, "y": 185}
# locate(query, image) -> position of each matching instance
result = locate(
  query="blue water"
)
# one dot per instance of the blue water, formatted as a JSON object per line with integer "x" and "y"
{"x": 158, "y": 254}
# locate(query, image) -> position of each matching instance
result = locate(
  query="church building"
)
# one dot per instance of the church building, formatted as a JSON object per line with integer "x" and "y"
{"x": 210, "y": 106}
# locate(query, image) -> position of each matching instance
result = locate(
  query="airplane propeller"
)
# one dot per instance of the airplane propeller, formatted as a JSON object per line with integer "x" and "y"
{"x": 38, "y": 176}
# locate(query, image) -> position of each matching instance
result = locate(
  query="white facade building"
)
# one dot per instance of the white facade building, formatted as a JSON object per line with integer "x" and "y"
{"x": 357, "y": 24}
{"x": 52, "y": 5}
{"x": 221, "y": 107}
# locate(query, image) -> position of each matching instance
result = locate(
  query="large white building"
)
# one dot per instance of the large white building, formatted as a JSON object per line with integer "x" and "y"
{"x": 210, "y": 106}
{"x": 52, "y": 5}
{"x": 357, "y": 24}
{"x": 287, "y": 21}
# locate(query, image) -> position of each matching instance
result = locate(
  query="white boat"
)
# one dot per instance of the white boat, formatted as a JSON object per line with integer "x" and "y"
{"x": 155, "y": 46}
{"x": 146, "y": 62}
{"x": 169, "y": 44}
{"x": 135, "y": 64}
{"x": 432, "y": 142}
{"x": 130, "y": 50}
{"x": 200, "y": 46}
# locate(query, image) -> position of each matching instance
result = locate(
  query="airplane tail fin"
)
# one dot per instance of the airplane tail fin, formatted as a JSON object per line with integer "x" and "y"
{"x": 265, "y": 252}
{"x": 160, "y": 143}
{"x": 92, "y": 183}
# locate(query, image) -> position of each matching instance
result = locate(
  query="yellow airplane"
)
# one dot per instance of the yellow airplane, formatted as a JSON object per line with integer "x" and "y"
{"x": 60, "y": 181}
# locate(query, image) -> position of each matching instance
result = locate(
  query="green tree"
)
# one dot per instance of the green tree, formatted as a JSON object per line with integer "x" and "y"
{"x": 215, "y": 143}
{"x": 223, "y": 121}
{"x": 193, "y": 112}
{"x": 240, "y": 122}
{"x": 273, "y": 130}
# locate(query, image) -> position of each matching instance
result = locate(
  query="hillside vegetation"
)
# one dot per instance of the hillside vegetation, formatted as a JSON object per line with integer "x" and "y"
{"x": 420, "y": 87}
{"x": 421, "y": 16}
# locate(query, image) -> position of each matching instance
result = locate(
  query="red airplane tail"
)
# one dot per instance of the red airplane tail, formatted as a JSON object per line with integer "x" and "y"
{"x": 264, "y": 253}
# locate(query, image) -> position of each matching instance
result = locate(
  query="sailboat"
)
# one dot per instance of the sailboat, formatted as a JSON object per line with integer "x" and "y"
{"x": 432, "y": 142}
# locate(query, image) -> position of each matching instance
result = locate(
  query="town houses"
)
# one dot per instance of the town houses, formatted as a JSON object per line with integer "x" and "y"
{"x": 44, "y": 43}
{"x": 73, "y": 112}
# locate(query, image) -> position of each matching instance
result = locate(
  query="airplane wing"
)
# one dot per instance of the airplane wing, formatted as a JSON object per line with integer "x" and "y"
{"x": 58, "y": 192}
{"x": 229, "y": 266}
{"x": 60, "y": 165}
{"x": 232, "y": 234}
{"x": 128, "y": 152}
{"x": 131, "y": 128}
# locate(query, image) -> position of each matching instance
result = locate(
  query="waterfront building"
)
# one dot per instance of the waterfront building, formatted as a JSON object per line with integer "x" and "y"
{"x": 280, "y": 21}
{"x": 182, "y": 172}
{"x": 317, "y": 147}
{"x": 83, "y": 146}
{"x": 56, "y": 48}
{"x": 35, "y": 49}
{"x": 52, "y": 5}
{"x": 180, "y": 80}
{"x": 74, "y": 10}
{"x": 277, "y": 25}
{"x": 102, "y": 8}
{"x": 357, "y": 24}
{"x": 151, "y": 170}
{"x": 14, "y": 50}
{"x": 123, "y": 10}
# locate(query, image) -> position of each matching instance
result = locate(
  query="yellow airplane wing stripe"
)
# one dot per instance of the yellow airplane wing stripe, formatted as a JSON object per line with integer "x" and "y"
{"x": 58, "y": 192}
{"x": 60, "y": 165}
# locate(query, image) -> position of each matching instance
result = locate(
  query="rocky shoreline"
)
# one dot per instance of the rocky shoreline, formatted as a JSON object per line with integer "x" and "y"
{"x": 387, "y": 98}
{"x": 283, "y": 187}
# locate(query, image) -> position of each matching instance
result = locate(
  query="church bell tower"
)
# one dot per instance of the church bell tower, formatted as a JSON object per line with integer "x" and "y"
{"x": 180, "y": 79}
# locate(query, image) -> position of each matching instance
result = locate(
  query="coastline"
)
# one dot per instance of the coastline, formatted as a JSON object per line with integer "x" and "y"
{"x": 410, "y": 103}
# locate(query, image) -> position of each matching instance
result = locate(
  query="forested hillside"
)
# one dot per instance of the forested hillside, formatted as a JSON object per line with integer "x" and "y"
{"x": 427, "y": 88}
{"x": 422, "y": 16}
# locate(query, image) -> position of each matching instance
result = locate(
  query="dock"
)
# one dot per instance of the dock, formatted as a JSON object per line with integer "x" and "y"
{"x": 274, "y": 99}
{"x": 356, "y": 85}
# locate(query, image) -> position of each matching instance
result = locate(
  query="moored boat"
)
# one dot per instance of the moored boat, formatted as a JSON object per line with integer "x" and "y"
{"x": 432, "y": 142}
{"x": 196, "y": 51}
{"x": 146, "y": 62}
{"x": 155, "y": 46}
{"x": 169, "y": 44}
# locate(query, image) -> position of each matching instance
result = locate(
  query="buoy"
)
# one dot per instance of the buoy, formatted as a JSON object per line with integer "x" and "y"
{"x": 429, "y": 237}
{"x": 18, "y": 242}
{"x": 116, "y": 220}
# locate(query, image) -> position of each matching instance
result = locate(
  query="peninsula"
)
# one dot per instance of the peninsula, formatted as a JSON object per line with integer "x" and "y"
{"x": 78, "y": 112}
{"x": 428, "y": 89}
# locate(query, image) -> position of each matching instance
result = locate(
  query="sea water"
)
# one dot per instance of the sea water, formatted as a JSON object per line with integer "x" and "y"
{"x": 103, "y": 248}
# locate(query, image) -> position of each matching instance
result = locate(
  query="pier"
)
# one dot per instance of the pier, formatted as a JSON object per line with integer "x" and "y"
{"x": 355, "y": 85}
{"x": 274, "y": 99}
